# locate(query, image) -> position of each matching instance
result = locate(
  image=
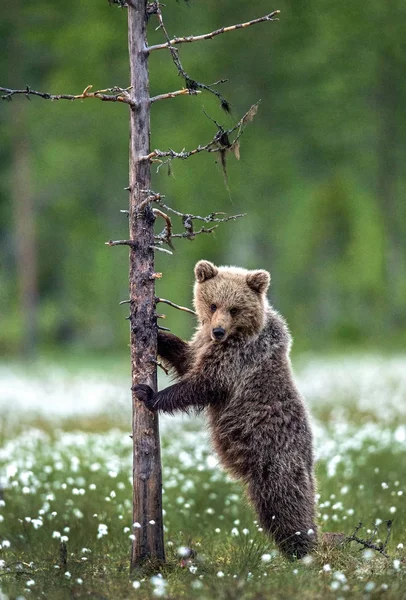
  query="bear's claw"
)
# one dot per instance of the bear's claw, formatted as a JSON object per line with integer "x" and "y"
{"x": 145, "y": 394}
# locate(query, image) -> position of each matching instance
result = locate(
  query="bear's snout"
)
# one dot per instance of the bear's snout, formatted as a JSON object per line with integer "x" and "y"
{"x": 218, "y": 333}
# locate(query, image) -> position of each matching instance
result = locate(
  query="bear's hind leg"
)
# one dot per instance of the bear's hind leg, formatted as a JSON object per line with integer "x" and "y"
{"x": 288, "y": 517}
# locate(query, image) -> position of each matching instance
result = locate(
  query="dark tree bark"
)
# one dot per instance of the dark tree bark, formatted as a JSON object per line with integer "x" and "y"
{"x": 387, "y": 176}
{"x": 25, "y": 240}
{"x": 25, "y": 236}
{"x": 147, "y": 503}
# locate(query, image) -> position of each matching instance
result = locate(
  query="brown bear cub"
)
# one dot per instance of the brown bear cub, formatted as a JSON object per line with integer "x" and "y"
{"x": 237, "y": 367}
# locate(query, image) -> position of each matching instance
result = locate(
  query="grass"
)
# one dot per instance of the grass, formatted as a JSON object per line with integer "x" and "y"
{"x": 66, "y": 484}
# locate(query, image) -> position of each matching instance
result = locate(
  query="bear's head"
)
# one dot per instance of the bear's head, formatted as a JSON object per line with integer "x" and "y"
{"x": 230, "y": 301}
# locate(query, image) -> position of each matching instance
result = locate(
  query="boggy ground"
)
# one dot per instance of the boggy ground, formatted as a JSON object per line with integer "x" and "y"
{"x": 65, "y": 508}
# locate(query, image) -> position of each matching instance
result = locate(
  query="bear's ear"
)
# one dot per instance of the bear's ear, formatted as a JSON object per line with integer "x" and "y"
{"x": 259, "y": 281}
{"x": 205, "y": 270}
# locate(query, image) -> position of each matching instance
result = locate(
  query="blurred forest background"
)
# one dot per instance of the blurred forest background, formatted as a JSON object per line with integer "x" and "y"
{"x": 320, "y": 175}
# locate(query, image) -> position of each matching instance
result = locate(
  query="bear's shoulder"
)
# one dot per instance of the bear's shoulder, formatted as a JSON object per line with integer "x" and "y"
{"x": 275, "y": 332}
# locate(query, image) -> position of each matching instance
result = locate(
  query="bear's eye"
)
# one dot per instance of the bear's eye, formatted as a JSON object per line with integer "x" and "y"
{"x": 213, "y": 308}
{"x": 233, "y": 311}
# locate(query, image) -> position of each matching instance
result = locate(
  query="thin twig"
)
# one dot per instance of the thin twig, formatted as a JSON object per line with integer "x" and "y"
{"x": 219, "y": 143}
{"x": 166, "y": 235}
{"x": 160, "y": 365}
{"x": 114, "y": 94}
{"x": 183, "y": 92}
{"x": 120, "y": 243}
{"x": 208, "y": 36}
{"x": 164, "y": 301}
{"x": 381, "y": 547}
{"x": 161, "y": 249}
{"x": 151, "y": 198}
{"x": 190, "y": 83}
{"x": 190, "y": 235}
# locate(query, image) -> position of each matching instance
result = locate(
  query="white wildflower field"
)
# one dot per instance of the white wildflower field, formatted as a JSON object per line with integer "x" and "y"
{"x": 65, "y": 491}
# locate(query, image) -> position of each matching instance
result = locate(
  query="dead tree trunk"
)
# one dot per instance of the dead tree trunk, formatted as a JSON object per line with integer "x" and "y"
{"x": 25, "y": 237}
{"x": 147, "y": 504}
{"x": 147, "y": 498}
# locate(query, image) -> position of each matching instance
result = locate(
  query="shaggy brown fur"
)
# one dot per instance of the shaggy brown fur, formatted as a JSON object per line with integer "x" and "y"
{"x": 237, "y": 366}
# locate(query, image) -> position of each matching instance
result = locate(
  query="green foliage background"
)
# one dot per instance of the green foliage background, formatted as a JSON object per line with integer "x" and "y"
{"x": 320, "y": 175}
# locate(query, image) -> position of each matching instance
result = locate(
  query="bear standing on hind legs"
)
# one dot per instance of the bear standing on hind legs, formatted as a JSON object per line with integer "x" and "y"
{"x": 237, "y": 367}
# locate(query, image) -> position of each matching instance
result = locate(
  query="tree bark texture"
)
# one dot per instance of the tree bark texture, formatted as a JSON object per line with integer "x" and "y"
{"x": 25, "y": 241}
{"x": 147, "y": 477}
{"x": 25, "y": 236}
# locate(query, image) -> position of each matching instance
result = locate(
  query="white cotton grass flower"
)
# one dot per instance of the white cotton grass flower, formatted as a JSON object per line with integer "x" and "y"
{"x": 220, "y": 574}
{"x": 326, "y": 568}
{"x": 136, "y": 585}
{"x": 102, "y": 530}
{"x": 159, "y": 584}
{"x": 266, "y": 558}
{"x": 68, "y": 574}
{"x": 5, "y": 544}
{"x": 369, "y": 587}
{"x": 30, "y": 583}
{"x": 37, "y": 523}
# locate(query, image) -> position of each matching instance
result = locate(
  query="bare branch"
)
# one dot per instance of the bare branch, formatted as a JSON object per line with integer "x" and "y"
{"x": 378, "y": 547}
{"x": 120, "y": 243}
{"x": 208, "y": 36}
{"x": 219, "y": 143}
{"x": 187, "y": 220}
{"x": 188, "y": 310}
{"x": 159, "y": 364}
{"x": 114, "y": 94}
{"x": 165, "y": 236}
{"x": 183, "y": 92}
{"x": 161, "y": 249}
{"x": 152, "y": 197}
{"x": 191, "y": 84}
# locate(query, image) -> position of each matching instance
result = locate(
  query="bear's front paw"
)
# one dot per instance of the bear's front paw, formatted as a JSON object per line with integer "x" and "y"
{"x": 145, "y": 394}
